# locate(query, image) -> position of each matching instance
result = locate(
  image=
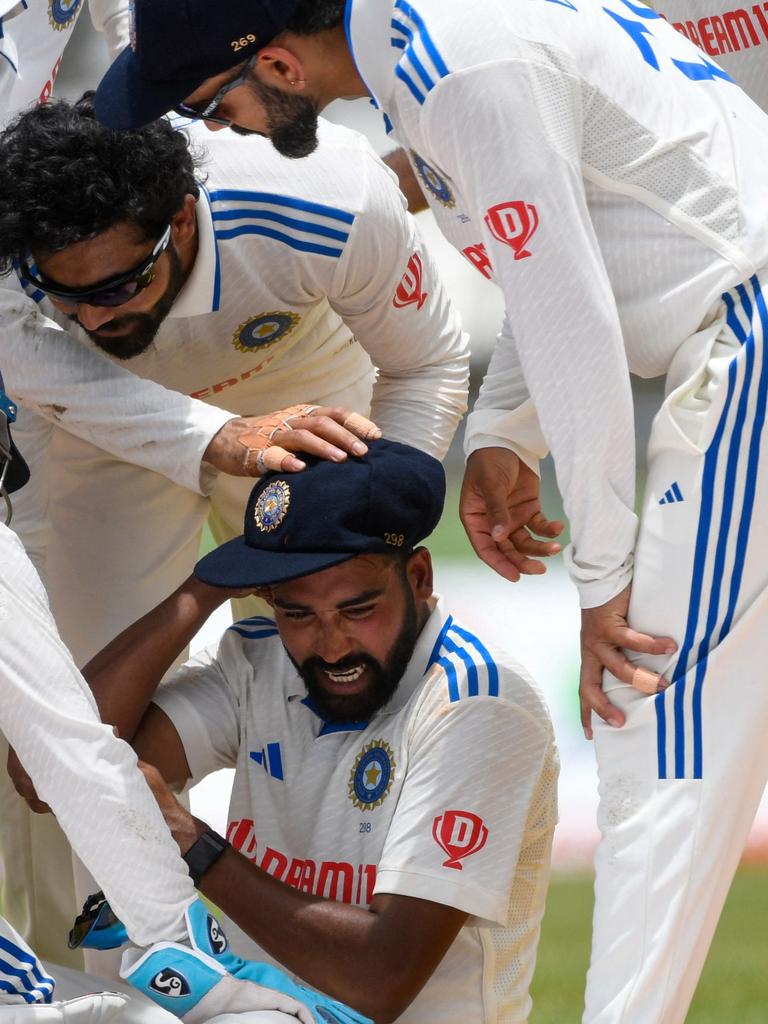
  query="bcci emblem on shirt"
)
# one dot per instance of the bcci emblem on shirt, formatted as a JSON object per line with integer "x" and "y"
{"x": 372, "y": 775}
{"x": 61, "y": 13}
{"x": 434, "y": 182}
{"x": 263, "y": 330}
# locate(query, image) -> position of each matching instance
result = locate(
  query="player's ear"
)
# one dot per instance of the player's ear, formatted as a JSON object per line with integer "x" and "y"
{"x": 279, "y": 68}
{"x": 418, "y": 571}
{"x": 184, "y": 223}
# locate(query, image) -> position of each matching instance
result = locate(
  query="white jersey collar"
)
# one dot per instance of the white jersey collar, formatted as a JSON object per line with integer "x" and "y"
{"x": 367, "y": 25}
{"x": 202, "y": 288}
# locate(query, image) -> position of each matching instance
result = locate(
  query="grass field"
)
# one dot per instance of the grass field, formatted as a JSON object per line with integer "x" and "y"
{"x": 733, "y": 987}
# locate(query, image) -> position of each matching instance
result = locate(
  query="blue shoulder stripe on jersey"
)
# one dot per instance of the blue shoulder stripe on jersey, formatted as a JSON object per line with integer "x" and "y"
{"x": 439, "y": 642}
{"x": 406, "y": 42}
{"x": 426, "y": 38}
{"x": 485, "y": 654}
{"x": 272, "y": 199}
{"x": 216, "y": 299}
{"x": 280, "y": 218}
{"x": 294, "y": 243}
{"x": 452, "y": 651}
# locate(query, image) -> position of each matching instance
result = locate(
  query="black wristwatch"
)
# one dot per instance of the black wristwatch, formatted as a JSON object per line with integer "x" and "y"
{"x": 204, "y": 853}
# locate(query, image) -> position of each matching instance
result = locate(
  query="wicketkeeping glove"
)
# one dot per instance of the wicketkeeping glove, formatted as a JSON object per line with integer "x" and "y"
{"x": 207, "y": 979}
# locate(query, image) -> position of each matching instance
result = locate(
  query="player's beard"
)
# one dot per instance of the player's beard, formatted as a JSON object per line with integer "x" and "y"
{"x": 385, "y": 678}
{"x": 144, "y": 326}
{"x": 291, "y": 120}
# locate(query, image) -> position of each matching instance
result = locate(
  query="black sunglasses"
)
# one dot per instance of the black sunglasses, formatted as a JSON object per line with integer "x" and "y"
{"x": 208, "y": 113}
{"x": 115, "y": 291}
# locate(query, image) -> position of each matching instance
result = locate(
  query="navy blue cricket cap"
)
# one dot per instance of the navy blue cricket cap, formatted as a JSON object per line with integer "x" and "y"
{"x": 175, "y": 46}
{"x": 298, "y": 523}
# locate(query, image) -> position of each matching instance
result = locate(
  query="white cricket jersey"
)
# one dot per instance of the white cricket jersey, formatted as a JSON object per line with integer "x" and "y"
{"x": 306, "y": 271}
{"x": 47, "y": 370}
{"x": 89, "y": 778}
{"x": 735, "y": 36}
{"x": 447, "y": 794}
{"x": 614, "y": 180}
{"x": 33, "y": 34}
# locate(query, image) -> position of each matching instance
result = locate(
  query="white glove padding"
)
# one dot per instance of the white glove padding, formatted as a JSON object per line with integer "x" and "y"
{"x": 194, "y": 986}
{"x": 260, "y": 1017}
{"x": 97, "y": 1008}
{"x": 233, "y": 996}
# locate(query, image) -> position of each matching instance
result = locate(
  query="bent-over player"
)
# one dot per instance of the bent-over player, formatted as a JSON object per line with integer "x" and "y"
{"x": 611, "y": 177}
{"x": 394, "y": 797}
{"x": 91, "y": 781}
{"x": 265, "y": 284}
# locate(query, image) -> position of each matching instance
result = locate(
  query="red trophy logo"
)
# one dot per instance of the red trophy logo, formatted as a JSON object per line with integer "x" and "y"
{"x": 514, "y": 224}
{"x": 409, "y": 290}
{"x": 459, "y": 834}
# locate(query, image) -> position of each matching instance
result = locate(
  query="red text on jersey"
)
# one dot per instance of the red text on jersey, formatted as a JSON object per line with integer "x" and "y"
{"x": 331, "y": 879}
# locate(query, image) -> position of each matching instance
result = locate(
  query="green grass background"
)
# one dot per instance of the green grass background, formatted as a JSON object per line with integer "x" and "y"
{"x": 734, "y": 984}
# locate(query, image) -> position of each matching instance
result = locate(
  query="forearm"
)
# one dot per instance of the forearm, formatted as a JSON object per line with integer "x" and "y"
{"x": 86, "y": 394}
{"x": 126, "y": 673}
{"x": 330, "y": 945}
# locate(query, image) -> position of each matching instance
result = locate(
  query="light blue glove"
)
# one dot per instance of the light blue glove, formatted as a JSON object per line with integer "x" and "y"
{"x": 202, "y": 981}
{"x": 207, "y": 936}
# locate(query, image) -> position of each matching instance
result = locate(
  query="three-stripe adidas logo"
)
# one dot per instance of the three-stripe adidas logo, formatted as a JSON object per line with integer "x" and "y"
{"x": 270, "y": 759}
{"x": 673, "y": 495}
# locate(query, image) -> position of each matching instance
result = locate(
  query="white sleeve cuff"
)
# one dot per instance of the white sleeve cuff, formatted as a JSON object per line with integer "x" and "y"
{"x": 489, "y": 907}
{"x": 592, "y": 592}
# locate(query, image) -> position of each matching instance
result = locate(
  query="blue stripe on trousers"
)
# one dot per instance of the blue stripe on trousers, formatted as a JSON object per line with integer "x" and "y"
{"x": 703, "y": 533}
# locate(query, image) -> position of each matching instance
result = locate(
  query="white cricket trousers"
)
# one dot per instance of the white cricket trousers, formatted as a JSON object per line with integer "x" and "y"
{"x": 681, "y": 781}
{"x": 121, "y": 539}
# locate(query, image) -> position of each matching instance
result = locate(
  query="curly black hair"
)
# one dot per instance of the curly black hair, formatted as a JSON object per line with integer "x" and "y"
{"x": 313, "y": 16}
{"x": 65, "y": 178}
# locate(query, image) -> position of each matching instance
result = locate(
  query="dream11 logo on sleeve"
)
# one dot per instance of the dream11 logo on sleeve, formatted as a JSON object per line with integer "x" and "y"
{"x": 514, "y": 224}
{"x": 459, "y": 834}
{"x": 410, "y": 290}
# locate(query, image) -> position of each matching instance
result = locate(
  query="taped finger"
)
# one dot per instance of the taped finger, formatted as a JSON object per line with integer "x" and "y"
{"x": 362, "y": 427}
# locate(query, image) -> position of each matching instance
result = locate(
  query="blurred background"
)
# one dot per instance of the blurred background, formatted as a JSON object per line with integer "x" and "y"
{"x": 537, "y": 620}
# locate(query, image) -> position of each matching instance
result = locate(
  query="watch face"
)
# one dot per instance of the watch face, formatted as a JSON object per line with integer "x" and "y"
{"x": 203, "y": 854}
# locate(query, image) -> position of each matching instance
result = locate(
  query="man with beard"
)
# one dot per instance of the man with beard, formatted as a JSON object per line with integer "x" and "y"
{"x": 394, "y": 796}
{"x": 610, "y": 177}
{"x": 252, "y": 283}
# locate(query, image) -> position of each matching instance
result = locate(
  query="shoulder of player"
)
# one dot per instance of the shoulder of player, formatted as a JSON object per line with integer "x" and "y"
{"x": 466, "y": 671}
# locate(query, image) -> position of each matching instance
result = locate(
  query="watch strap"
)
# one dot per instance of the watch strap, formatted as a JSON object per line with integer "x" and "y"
{"x": 204, "y": 852}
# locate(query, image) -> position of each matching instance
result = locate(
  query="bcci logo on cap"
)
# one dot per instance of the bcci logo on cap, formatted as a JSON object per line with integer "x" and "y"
{"x": 514, "y": 224}
{"x": 459, "y": 834}
{"x": 272, "y": 506}
{"x": 61, "y": 13}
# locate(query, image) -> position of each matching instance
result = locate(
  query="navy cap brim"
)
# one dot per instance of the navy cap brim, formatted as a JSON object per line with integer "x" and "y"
{"x": 126, "y": 99}
{"x": 236, "y": 564}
